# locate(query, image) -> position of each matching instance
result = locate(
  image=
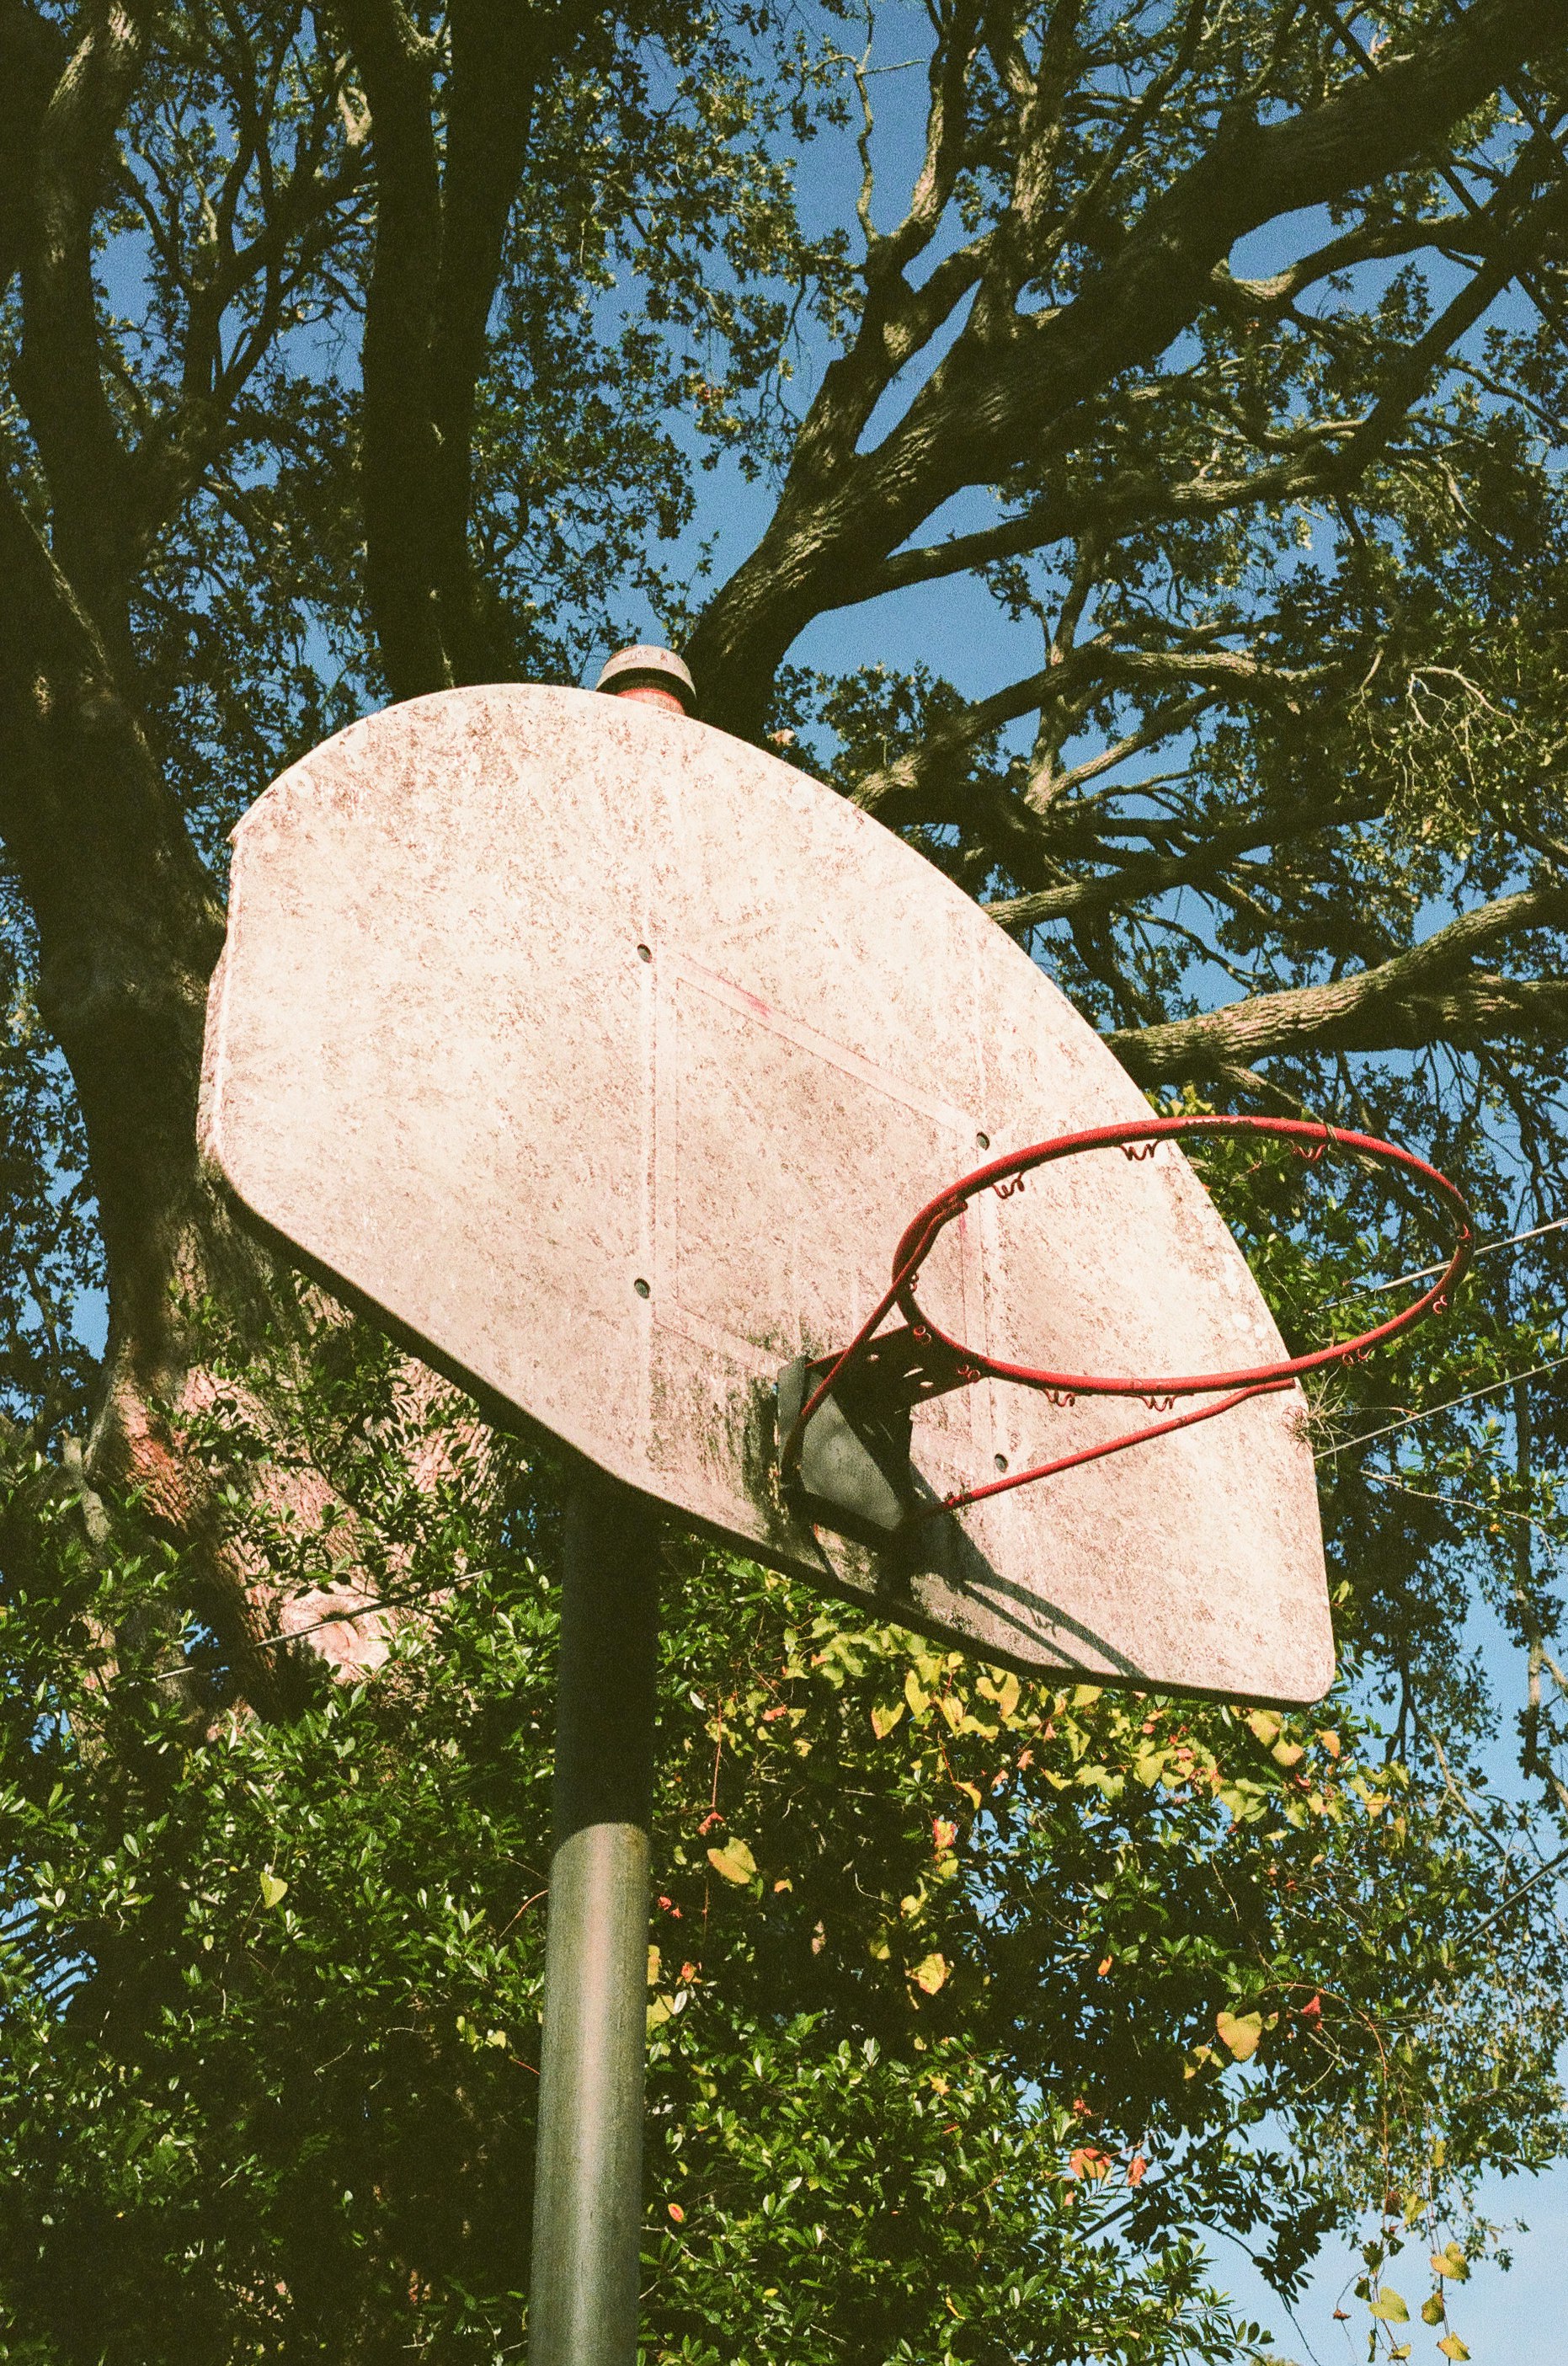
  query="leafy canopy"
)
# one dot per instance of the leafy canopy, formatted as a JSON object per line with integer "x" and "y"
{"x": 1212, "y": 355}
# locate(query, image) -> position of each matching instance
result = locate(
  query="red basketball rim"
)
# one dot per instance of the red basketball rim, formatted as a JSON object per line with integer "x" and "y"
{"x": 1309, "y": 1137}
{"x": 921, "y": 1235}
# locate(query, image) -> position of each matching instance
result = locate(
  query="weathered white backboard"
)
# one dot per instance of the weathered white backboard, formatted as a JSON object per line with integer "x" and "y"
{"x": 604, "y": 1058}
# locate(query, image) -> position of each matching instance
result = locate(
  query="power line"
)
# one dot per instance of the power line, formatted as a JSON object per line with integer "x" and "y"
{"x": 1347, "y": 1445}
{"x": 332, "y": 1619}
{"x": 1462, "y": 1503}
{"x": 1553, "y": 1864}
{"x": 1425, "y": 1273}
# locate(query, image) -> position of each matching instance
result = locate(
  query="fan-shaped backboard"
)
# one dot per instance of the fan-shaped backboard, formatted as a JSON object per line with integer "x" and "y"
{"x": 605, "y": 1057}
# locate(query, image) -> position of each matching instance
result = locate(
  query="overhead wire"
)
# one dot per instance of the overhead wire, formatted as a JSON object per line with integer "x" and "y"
{"x": 1464, "y": 1503}
{"x": 1367, "y": 1438}
{"x": 332, "y": 1619}
{"x": 1553, "y": 1864}
{"x": 1425, "y": 1273}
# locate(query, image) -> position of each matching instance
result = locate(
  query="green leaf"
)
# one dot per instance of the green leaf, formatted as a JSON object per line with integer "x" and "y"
{"x": 735, "y": 1860}
{"x": 1432, "y": 2311}
{"x": 1390, "y": 2306}
{"x": 883, "y": 1719}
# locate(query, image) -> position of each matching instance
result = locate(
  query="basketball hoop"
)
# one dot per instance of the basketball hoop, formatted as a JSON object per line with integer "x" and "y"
{"x": 875, "y": 1383}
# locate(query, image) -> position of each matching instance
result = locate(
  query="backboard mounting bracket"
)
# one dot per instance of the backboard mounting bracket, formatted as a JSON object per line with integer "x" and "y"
{"x": 854, "y": 1468}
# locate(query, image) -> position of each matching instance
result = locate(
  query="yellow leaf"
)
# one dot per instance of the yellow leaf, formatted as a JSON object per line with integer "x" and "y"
{"x": 1451, "y": 2262}
{"x": 1265, "y": 1724}
{"x": 1241, "y": 2031}
{"x": 970, "y": 1794}
{"x": 1331, "y": 1743}
{"x": 1285, "y": 1753}
{"x": 1084, "y": 1695}
{"x": 919, "y": 1701}
{"x": 1432, "y": 2310}
{"x": 931, "y": 1974}
{"x": 1390, "y": 2306}
{"x": 1007, "y": 1695}
{"x": 274, "y": 1890}
{"x": 1452, "y": 2347}
{"x": 884, "y": 1720}
{"x": 952, "y": 1709}
{"x": 652, "y": 1966}
{"x": 735, "y": 1860}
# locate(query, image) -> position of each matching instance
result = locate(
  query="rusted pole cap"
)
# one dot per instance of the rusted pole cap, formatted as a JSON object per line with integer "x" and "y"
{"x": 655, "y": 676}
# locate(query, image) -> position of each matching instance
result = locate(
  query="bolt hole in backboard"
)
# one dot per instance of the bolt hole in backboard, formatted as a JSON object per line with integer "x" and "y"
{"x": 615, "y": 1064}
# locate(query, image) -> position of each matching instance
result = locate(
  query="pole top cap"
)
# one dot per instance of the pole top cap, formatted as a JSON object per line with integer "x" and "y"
{"x": 643, "y": 668}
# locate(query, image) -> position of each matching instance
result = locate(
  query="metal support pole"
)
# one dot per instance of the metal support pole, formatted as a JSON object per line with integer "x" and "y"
{"x": 588, "y": 2208}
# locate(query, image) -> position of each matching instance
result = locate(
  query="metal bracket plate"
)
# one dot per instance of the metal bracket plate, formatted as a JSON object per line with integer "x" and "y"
{"x": 854, "y": 1468}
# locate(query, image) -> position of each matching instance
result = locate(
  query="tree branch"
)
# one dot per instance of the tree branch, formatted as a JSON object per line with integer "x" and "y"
{"x": 1088, "y": 672}
{"x": 439, "y": 234}
{"x": 400, "y": 463}
{"x": 32, "y": 56}
{"x": 59, "y": 374}
{"x": 1135, "y": 882}
{"x": 1427, "y": 995}
{"x": 994, "y": 402}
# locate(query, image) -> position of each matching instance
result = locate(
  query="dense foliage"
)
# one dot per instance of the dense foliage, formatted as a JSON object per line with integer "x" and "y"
{"x": 358, "y": 352}
{"x": 970, "y": 2002}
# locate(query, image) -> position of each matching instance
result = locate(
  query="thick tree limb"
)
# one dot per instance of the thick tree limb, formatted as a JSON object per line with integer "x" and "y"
{"x": 128, "y": 922}
{"x": 399, "y": 476}
{"x": 1111, "y": 511}
{"x": 59, "y": 374}
{"x": 1427, "y": 995}
{"x": 438, "y": 239}
{"x": 32, "y": 54}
